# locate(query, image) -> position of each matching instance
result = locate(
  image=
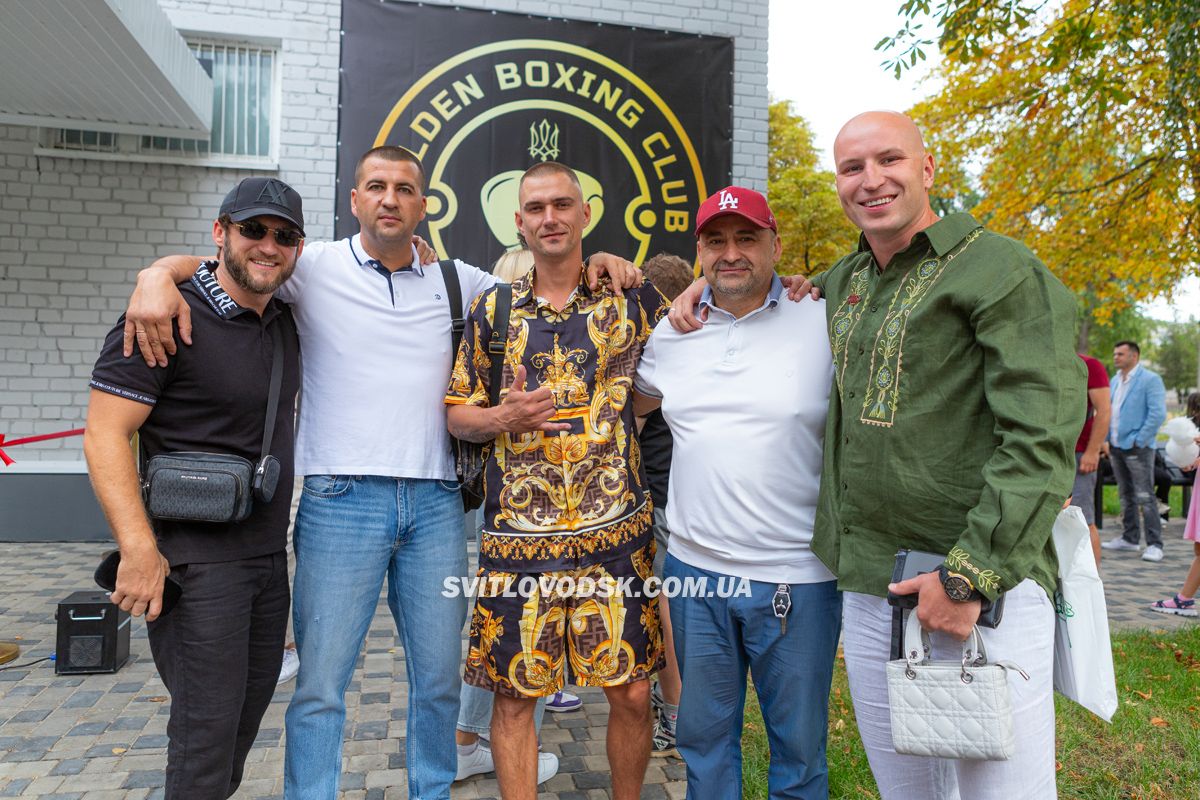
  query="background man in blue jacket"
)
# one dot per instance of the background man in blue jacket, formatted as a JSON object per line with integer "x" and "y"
{"x": 1138, "y": 409}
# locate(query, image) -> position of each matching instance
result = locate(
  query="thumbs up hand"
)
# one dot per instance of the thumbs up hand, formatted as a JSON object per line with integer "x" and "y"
{"x": 524, "y": 412}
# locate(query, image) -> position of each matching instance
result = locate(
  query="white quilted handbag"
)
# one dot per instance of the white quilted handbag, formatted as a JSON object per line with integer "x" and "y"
{"x": 950, "y": 709}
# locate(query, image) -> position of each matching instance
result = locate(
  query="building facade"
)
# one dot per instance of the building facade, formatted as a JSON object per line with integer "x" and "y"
{"x": 84, "y": 206}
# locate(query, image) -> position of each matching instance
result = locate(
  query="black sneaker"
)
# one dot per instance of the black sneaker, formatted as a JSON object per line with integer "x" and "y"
{"x": 664, "y": 740}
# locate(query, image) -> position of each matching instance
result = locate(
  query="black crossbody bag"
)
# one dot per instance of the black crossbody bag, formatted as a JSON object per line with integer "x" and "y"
{"x": 470, "y": 457}
{"x": 216, "y": 487}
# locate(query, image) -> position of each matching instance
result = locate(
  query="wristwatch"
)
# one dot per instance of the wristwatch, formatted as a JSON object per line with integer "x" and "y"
{"x": 958, "y": 587}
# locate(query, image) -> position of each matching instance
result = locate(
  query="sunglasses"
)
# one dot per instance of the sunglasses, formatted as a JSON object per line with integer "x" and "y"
{"x": 255, "y": 231}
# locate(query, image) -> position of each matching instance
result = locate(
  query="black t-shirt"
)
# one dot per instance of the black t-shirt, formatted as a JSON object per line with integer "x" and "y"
{"x": 212, "y": 397}
{"x": 656, "y": 445}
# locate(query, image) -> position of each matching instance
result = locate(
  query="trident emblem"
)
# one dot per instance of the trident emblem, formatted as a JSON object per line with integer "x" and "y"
{"x": 543, "y": 141}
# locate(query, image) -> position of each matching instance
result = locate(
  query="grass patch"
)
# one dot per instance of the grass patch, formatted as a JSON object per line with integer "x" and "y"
{"x": 1112, "y": 504}
{"x": 1151, "y": 751}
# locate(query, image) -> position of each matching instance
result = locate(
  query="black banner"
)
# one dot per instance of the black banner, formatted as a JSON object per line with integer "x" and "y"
{"x": 644, "y": 117}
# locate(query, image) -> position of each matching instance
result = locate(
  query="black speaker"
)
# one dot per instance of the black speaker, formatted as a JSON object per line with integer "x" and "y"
{"x": 93, "y": 635}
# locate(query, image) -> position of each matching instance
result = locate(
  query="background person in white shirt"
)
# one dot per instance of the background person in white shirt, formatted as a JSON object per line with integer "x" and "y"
{"x": 745, "y": 398}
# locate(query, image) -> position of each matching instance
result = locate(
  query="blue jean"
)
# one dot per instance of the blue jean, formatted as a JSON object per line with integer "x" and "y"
{"x": 1134, "y": 470}
{"x": 716, "y": 640}
{"x": 350, "y": 533}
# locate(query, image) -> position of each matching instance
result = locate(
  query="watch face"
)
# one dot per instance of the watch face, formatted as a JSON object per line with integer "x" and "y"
{"x": 957, "y": 589}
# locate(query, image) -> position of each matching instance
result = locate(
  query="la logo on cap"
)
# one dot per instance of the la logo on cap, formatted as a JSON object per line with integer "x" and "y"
{"x": 272, "y": 192}
{"x": 727, "y": 200}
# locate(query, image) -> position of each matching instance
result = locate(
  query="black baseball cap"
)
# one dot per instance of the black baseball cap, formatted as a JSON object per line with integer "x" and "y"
{"x": 255, "y": 197}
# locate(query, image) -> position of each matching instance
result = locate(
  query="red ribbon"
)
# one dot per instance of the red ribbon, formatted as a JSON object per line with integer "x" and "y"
{"x": 8, "y": 462}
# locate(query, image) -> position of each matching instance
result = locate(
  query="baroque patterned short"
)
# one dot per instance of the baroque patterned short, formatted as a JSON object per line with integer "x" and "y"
{"x": 527, "y": 625}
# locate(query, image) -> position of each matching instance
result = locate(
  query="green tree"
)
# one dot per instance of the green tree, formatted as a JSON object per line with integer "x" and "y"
{"x": 1177, "y": 355}
{"x": 815, "y": 231}
{"x": 1126, "y": 323}
{"x": 1080, "y": 122}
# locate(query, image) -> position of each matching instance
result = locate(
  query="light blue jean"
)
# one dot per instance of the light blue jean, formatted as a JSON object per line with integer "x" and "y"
{"x": 475, "y": 704}
{"x": 350, "y": 533}
{"x": 716, "y": 641}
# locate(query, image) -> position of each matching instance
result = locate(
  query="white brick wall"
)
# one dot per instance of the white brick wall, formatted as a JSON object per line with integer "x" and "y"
{"x": 74, "y": 232}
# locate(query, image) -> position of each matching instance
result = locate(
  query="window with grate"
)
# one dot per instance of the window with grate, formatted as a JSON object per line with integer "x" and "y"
{"x": 243, "y": 120}
{"x": 243, "y": 88}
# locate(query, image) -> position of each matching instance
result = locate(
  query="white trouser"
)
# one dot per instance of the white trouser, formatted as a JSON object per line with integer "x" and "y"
{"x": 1025, "y": 636}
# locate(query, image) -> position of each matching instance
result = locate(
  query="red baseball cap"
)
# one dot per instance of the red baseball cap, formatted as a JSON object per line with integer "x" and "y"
{"x": 736, "y": 200}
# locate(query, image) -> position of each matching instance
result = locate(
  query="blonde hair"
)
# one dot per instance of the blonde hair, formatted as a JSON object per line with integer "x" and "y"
{"x": 512, "y": 265}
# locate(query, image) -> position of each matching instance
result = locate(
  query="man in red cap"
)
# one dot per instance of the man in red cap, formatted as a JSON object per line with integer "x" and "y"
{"x": 745, "y": 398}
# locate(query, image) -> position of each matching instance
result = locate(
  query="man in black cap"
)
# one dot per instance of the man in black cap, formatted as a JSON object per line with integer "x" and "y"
{"x": 219, "y": 648}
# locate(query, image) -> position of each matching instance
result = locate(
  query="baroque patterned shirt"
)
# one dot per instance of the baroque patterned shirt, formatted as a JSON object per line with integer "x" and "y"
{"x": 574, "y": 498}
{"x": 957, "y": 399}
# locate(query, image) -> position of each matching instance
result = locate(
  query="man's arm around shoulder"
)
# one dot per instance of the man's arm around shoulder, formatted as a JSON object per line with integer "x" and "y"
{"x": 111, "y": 422}
{"x": 154, "y": 303}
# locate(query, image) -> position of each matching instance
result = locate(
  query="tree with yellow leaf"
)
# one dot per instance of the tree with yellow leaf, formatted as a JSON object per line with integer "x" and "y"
{"x": 1078, "y": 124}
{"x": 815, "y": 231}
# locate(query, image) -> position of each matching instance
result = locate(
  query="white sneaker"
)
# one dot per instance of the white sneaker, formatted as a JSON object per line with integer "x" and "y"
{"x": 1119, "y": 543}
{"x": 1153, "y": 553}
{"x": 290, "y": 666}
{"x": 477, "y": 762}
{"x": 480, "y": 761}
{"x": 547, "y": 767}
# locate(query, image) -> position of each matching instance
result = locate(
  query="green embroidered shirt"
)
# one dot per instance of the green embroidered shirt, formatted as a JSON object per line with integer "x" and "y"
{"x": 958, "y": 398}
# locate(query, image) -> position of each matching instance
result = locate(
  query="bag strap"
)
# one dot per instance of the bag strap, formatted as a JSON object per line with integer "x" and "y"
{"x": 272, "y": 395}
{"x": 499, "y": 341}
{"x": 454, "y": 298}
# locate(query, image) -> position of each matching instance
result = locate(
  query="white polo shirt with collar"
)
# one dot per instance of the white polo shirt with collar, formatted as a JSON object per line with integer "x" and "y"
{"x": 745, "y": 400}
{"x": 375, "y": 348}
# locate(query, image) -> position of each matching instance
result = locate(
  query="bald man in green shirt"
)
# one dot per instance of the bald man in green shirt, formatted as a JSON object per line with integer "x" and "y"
{"x": 957, "y": 400}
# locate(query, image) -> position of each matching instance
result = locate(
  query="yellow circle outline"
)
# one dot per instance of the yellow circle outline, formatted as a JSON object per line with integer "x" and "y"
{"x": 545, "y": 44}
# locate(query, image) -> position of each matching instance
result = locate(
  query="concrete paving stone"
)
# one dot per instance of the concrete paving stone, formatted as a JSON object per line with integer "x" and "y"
{"x": 43, "y": 786}
{"x": 115, "y": 794}
{"x": 125, "y": 688}
{"x": 26, "y": 769}
{"x": 353, "y": 780}
{"x": 70, "y": 766}
{"x": 383, "y": 778}
{"x": 15, "y": 787}
{"x": 92, "y": 781}
{"x": 375, "y": 697}
{"x": 371, "y": 761}
{"x": 591, "y": 780}
{"x": 88, "y": 729}
{"x": 30, "y": 715}
{"x": 571, "y": 764}
{"x": 140, "y": 763}
{"x": 570, "y": 748}
{"x": 150, "y": 740}
{"x": 62, "y": 796}
{"x": 653, "y": 791}
{"x": 144, "y": 779}
{"x": 128, "y": 724}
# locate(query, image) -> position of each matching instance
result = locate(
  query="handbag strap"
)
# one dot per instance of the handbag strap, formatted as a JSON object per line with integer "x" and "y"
{"x": 499, "y": 340}
{"x": 917, "y": 649}
{"x": 272, "y": 394}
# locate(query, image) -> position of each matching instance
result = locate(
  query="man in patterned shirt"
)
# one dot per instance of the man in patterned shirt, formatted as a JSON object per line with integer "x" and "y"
{"x": 564, "y": 496}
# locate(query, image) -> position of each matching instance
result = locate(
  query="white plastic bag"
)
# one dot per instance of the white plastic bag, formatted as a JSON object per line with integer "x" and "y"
{"x": 1083, "y": 666}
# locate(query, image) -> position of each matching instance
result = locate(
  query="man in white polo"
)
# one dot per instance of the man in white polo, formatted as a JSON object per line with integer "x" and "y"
{"x": 745, "y": 398}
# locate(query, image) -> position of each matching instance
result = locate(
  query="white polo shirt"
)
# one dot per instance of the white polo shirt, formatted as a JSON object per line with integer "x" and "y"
{"x": 745, "y": 400}
{"x": 376, "y": 354}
